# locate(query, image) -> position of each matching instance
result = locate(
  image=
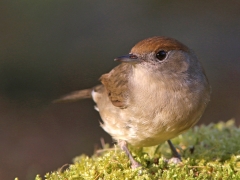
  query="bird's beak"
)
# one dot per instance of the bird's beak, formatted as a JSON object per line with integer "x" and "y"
{"x": 130, "y": 58}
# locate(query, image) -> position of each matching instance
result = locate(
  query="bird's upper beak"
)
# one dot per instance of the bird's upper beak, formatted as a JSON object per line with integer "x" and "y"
{"x": 130, "y": 58}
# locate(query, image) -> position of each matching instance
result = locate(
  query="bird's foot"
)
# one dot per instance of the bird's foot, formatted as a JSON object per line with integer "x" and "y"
{"x": 135, "y": 164}
{"x": 123, "y": 146}
{"x": 174, "y": 160}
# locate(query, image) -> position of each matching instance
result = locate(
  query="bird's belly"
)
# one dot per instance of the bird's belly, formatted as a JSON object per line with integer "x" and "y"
{"x": 148, "y": 122}
{"x": 139, "y": 130}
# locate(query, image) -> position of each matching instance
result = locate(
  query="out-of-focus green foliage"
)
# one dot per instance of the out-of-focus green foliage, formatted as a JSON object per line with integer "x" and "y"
{"x": 209, "y": 152}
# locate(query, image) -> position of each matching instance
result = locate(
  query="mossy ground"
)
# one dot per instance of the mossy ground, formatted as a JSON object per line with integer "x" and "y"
{"x": 208, "y": 152}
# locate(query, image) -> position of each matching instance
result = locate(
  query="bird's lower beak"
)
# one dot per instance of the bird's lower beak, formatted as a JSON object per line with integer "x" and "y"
{"x": 130, "y": 58}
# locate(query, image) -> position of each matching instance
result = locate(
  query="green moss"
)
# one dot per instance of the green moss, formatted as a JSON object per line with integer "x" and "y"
{"x": 208, "y": 152}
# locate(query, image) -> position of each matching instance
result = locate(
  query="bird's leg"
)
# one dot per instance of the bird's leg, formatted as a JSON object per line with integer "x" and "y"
{"x": 123, "y": 146}
{"x": 176, "y": 156}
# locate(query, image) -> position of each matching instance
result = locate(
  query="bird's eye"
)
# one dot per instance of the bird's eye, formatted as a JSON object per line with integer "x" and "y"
{"x": 161, "y": 55}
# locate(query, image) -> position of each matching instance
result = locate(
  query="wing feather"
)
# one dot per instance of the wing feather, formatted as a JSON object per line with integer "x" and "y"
{"x": 116, "y": 83}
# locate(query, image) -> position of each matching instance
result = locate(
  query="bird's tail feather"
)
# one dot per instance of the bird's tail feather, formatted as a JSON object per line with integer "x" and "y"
{"x": 75, "y": 96}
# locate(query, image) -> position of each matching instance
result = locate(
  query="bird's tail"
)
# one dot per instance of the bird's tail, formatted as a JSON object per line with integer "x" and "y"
{"x": 75, "y": 96}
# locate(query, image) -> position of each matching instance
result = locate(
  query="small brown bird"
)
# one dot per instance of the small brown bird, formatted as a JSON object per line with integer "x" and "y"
{"x": 157, "y": 92}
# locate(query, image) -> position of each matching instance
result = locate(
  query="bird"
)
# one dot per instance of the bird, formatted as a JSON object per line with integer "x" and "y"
{"x": 158, "y": 91}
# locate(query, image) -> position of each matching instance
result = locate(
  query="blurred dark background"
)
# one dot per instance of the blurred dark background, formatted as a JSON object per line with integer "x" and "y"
{"x": 50, "y": 48}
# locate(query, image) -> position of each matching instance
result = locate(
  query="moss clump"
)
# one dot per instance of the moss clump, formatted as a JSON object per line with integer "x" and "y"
{"x": 208, "y": 152}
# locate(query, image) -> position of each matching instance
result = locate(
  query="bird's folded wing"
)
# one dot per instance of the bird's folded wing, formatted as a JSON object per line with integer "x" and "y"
{"x": 117, "y": 84}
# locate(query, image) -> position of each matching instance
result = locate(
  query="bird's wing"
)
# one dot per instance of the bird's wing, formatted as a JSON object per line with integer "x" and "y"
{"x": 116, "y": 84}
